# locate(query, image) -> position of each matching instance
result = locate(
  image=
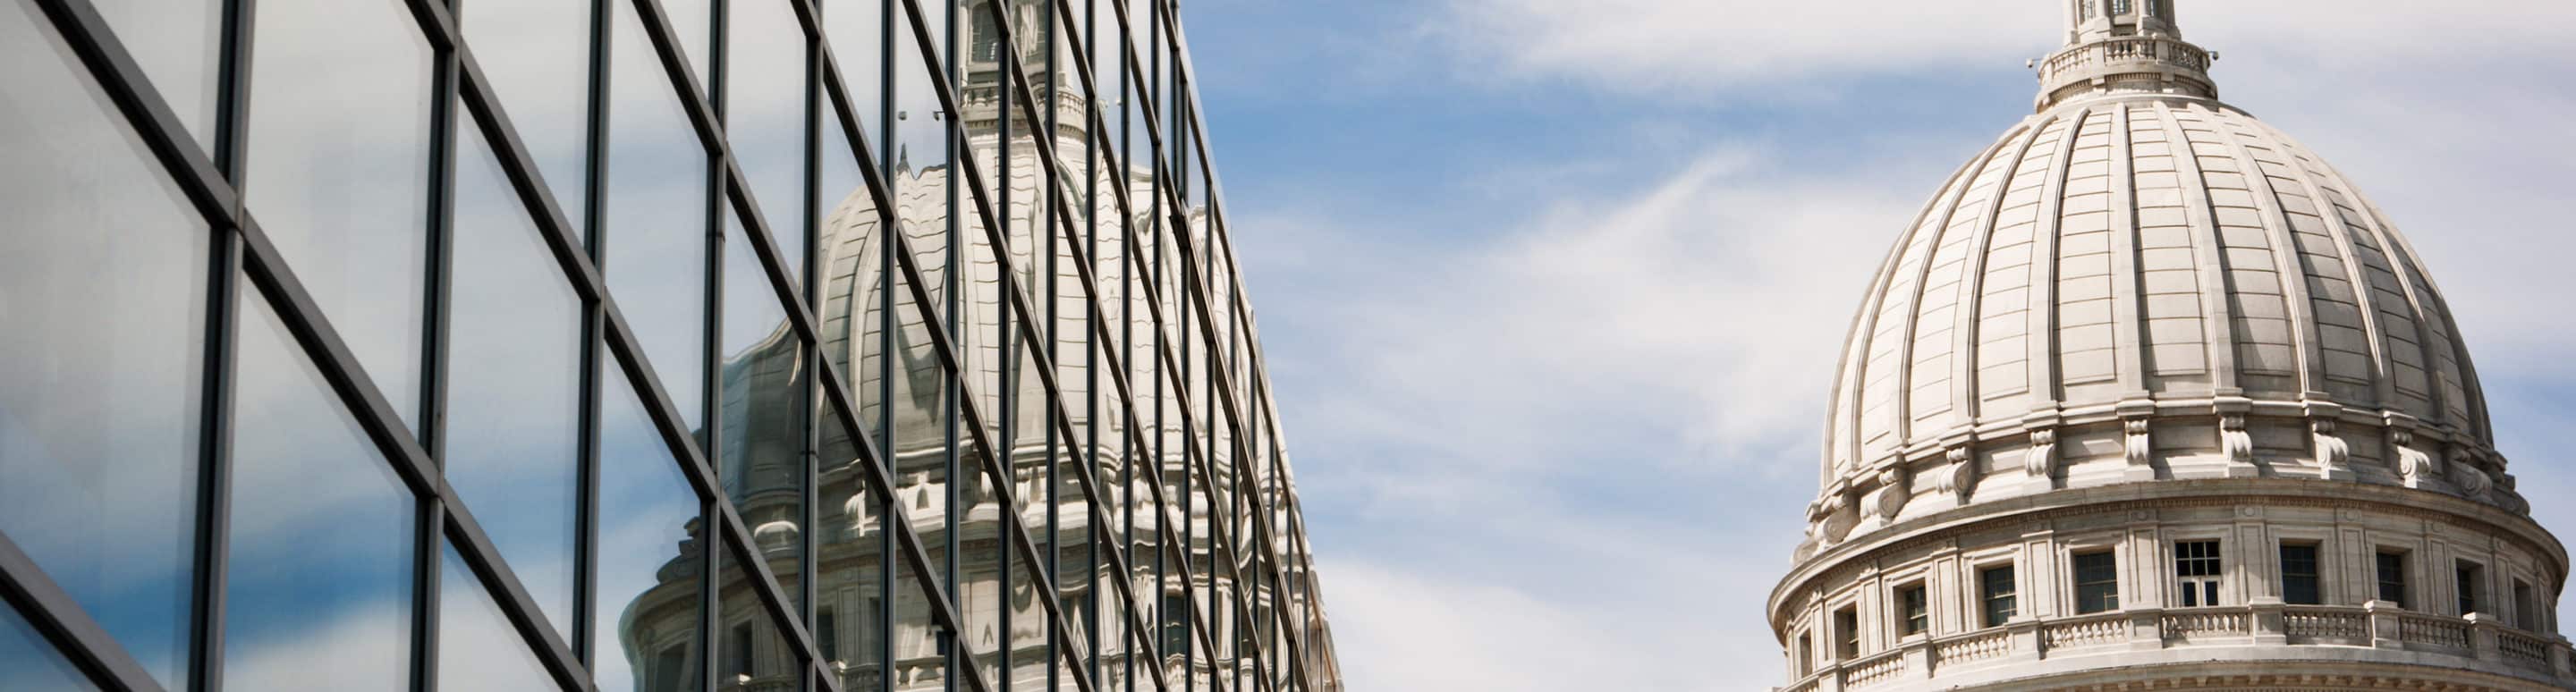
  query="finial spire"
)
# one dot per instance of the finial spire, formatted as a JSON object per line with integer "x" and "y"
{"x": 2123, "y": 46}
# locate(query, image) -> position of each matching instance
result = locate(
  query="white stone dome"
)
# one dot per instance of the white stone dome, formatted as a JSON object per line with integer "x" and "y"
{"x": 2141, "y": 283}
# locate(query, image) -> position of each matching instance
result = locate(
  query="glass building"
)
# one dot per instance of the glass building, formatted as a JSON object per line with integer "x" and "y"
{"x": 646, "y": 345}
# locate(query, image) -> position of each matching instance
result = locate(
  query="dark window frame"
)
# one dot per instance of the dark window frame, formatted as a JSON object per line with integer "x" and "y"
{"x": 2302, "y": 578}
{"x": 1998, "y": 600}
{"x": 2096, "y": 576}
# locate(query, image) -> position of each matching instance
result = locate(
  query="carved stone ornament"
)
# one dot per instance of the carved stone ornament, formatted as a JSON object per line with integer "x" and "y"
{"x": 2508, "y": 497}
{"x": 2332, "y": 452}
{"x": 1890, "y": 496}
{"x": 1960, "y": 478}
{"x": 2140, "y": 448}
{"x": 2233, "y": 438}
{"x": 2414, "y": 468}
{"x": 2041, "y": 460}
{"x": 2472, "y": 482}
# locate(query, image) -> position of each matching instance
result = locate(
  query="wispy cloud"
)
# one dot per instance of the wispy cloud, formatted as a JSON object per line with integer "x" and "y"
{"x": 1735, "y": 46}
{"x": 1556, "y": 416}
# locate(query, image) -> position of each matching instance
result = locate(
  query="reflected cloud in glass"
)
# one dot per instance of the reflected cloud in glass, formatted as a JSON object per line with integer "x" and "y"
{"x": 513, "y": 437}
{"x": 102, "y": 298}
{"x": 320, "y": 585}
{"x": 338, "y": 171}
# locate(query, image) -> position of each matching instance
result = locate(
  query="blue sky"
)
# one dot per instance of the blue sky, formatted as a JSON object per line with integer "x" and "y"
{"x": 1550, "y": 289}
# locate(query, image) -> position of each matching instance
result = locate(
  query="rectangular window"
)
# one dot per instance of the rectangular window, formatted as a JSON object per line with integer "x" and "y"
{"x": 2097, "y": 582}
{"x": 1176, "y": 631}
{"x": 2196, "y": 567}
{"x": 1916, "y": 608}
{"x": 1847, "y": 633}
{"x": 1996, "y": 590}
{"x": 2299, "y": 582}
{"x": 739, "y": 663}
{"x": 670, "y": 669}
{"x": 1806, "y": 653}
{"x": 2526, "y": 612}
{"x": 827, "y": 635}
{"x": 2470, "y": 579}
{"x": 2119, "y": 7}
{"x": 2392, "y": 577}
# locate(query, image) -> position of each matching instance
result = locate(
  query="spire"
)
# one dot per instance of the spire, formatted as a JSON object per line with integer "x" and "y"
{"x": 2123, "y": 47}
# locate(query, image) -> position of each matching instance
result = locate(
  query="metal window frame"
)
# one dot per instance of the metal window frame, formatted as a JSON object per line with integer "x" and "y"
{"x": 443, "y": 518}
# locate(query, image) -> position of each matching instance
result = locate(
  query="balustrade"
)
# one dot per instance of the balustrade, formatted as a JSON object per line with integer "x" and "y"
{"x": 2379, "y": 625}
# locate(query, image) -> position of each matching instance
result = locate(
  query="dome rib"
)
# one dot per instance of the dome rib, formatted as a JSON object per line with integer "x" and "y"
{"x": 1965, "y": 334}
{"x": 2041, "y": 339}
{"x": 2218, "y": 314}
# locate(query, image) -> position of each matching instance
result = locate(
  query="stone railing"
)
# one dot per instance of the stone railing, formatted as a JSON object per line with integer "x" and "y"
{"x": 2085, "y": 630}
{"x": 2122, "y": 55}
{"x": 1990, "y": 644}
{"x": 2433, "y": 630}
{"x": 1873, "y": 670}
{"x": 2324, "y": 625}
{"x": 2205, "y": 622}
{"x": 2480, "y": 638}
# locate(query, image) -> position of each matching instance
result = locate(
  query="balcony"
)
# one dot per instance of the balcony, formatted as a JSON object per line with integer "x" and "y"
{"x": 2181, "y": 67}
{"x": 2258, "y": 632}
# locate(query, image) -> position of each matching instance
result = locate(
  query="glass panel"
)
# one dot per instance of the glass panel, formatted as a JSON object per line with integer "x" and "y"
{"x": 751, "y": 654}
{"x": 849, "y": 583}
{"x": 2392, "y": 577}
{"x": 646, "y": 624}
{"x": 2299, "y": 575}
{"x": 339, "y": 163}
{"x": 513, "y": 440}
{"x": 28, "y": 662}
{"x": 477, "y": 647}
{"x": 2097, "y": 583}
{"x": 320, "y": 590}
{"x": 761, "y": 447}
{"x": 537, "y": 54}
{"x": 178, "y": 45}
{"x": 856, "y": 31}
{"x": 691, "y": 19}
{"x": 765, "y": 119}
{"x": 920, "y": 657}
{"x": 100, "y": 357}
{"x": 655, "y": 233}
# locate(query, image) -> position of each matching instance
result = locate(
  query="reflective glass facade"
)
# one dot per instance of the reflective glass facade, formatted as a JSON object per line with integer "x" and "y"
{"x": 648, "y": 345}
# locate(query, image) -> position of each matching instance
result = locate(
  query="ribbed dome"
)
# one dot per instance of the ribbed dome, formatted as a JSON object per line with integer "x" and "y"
{"x": 2147, "y": 286}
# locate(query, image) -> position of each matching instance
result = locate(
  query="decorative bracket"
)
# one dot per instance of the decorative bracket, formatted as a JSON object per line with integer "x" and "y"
{"x": 2334, "y": 456}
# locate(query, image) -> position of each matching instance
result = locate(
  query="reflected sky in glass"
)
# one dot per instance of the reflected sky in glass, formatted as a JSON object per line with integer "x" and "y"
{"x": 514, "y": 381}
{"x": 765, "y": 119}
{"x": 28, "y": 662}
{"x": 477, "y": 647}
{"x": 319, "y": 593}
{"x": 339, "y": 164}
{"x": 656, "y": 226}
{"x": 102, "y": 295}
{"x": 178, "y": 43}
{"x": 537, "y": 54}
{"x": 646, "y": 620}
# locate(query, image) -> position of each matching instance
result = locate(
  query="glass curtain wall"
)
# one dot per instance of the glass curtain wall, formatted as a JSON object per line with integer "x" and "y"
{"x": 723, "y": 345}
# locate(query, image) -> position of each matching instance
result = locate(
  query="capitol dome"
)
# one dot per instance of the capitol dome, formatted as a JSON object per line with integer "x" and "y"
{"x": 2141, "y": 326}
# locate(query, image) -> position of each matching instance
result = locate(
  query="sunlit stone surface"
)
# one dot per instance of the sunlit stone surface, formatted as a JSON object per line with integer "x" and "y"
{"x": 2150, "y": 397}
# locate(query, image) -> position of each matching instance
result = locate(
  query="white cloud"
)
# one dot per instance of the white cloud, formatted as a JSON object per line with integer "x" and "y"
{"x": 1654, "y": 45}
{"x": 1536, "y": 449}
{"x": 1513, "y": 396}
{"x": 1702, "y": 311}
